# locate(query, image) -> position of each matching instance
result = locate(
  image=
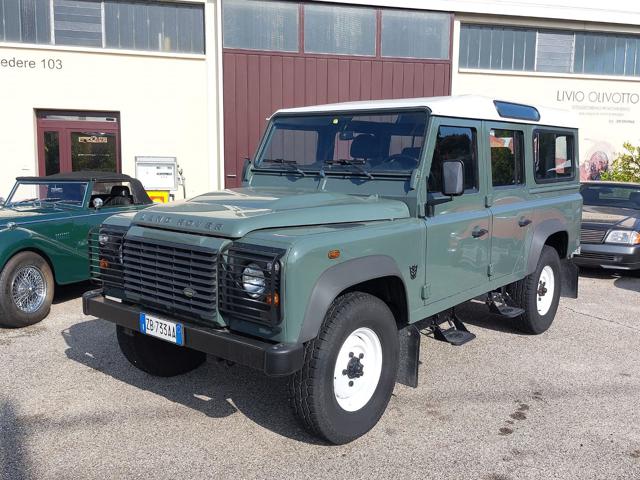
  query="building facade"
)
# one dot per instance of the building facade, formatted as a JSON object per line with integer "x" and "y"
{"x": 101, "y": 84}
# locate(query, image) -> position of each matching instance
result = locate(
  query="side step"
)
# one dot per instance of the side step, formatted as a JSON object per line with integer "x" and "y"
{"x": 457, "y": 334}
{"x": 502, "y": 304}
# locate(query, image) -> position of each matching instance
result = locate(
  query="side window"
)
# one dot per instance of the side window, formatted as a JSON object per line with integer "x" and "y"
{"x": 507, "y": 157}
{"x": 113, "y": 194}
{"x": 455, "y": 143}
{"x": 553, "y": 156}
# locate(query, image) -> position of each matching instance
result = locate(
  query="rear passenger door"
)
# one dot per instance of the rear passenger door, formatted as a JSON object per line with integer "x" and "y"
{"x": 508, "y": 196}
{"x": 458, "y": 231}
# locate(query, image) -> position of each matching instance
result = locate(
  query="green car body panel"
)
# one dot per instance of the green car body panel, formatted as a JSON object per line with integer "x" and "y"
{"x": 382, "y": 229}
{"x": 60, "y": 235}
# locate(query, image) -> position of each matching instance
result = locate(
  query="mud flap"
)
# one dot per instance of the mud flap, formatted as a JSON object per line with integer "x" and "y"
{"x": 568, "y": 278}
{"x": 409, "y": 356}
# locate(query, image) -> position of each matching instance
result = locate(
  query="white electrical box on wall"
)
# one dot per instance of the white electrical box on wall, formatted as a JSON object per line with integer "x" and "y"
{"x": 157, "y": 173}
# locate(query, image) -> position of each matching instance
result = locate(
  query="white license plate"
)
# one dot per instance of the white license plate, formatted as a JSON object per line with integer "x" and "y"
{"x": 160, "y": 328}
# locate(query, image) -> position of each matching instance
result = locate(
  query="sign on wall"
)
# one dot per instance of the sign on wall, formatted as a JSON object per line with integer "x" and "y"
{"x": 157, "y": 173}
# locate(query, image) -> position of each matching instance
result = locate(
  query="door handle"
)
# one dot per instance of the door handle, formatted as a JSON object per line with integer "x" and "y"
{"x": 523, "y": 222}
{"x": 479, "y": 232}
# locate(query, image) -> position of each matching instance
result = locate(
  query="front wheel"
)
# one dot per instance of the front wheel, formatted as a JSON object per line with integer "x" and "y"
{"x": 27, "y": 286}
{"x": 538, "y": 294}
{"x": 349, "y": 370}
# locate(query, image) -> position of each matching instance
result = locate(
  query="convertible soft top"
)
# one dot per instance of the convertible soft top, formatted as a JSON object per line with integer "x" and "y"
{"x": 81, "y": 177}
{"x": 137, "y": 189}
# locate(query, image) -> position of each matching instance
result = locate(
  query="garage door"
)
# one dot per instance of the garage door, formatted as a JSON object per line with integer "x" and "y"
{"x": 286, "y": 54}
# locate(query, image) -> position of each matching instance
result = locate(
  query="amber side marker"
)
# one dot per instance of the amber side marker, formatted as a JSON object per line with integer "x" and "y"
{"x": 333, "y": 254}
{"x": 273, "y": 300}
{"x": 104, "y": 263}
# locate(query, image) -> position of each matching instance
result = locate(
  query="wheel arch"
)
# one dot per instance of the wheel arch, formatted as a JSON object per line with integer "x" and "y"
{"x": 38, "y": 252}
{"x": 552, "y": 232}
{"x": 377, "y": 275}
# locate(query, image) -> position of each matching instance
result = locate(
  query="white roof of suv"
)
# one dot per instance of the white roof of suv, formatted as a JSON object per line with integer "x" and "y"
{"x": 461, "y": 106}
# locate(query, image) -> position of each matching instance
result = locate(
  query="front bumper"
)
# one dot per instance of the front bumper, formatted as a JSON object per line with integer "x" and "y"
{"x": 273, "y": 359}
{"x": 606, "y": 255}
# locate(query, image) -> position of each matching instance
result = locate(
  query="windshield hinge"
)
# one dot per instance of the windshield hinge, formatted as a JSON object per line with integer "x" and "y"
{"x": 490, "y": 271}
{"x": 426, "y": 291}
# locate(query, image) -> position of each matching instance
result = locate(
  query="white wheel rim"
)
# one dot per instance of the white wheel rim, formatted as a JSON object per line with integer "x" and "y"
{"x": 546, "y": 289}
{"x": 357, "y": 370}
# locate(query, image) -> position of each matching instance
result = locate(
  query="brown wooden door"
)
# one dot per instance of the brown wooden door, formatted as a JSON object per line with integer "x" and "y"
{"x": 68, "y": 146}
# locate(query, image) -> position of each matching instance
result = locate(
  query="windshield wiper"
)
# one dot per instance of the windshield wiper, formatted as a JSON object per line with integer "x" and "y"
{"x": 290, "y": 164}
{"x": 354, "y": 163}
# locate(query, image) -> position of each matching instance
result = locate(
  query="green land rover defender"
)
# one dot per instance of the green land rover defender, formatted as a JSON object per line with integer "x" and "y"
{"x": 358, "y": 226}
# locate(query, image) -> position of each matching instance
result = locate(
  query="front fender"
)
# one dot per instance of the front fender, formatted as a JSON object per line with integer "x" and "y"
{"x": 338, "y": 278}
{"x": 540, "y": 235}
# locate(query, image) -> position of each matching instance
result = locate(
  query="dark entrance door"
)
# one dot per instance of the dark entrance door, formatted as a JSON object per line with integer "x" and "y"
{"x": 76, "y": 142}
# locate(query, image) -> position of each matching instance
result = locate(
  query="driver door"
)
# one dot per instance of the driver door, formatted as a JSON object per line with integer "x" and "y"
{"x": 458, "y": 231}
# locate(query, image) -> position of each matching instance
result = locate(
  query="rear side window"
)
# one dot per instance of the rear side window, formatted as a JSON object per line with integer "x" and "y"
{"x": 553, "y": 156}
{"x": 507, "y": 157}
{"x": 455, "y": 143}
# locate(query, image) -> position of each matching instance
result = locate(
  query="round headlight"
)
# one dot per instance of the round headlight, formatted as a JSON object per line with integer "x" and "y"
{"x": 253, "y": 280}
{"x": 103, "y": 239}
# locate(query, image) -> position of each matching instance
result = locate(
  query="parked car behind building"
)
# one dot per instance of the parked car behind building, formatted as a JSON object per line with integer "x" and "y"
{"x": 44, "y": 227}
{"x": 610, "y": 236}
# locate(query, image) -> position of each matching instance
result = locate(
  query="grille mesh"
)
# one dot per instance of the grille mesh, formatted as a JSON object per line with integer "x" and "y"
{"x": 590, "y": 235}
{"x": 174, "y": 278}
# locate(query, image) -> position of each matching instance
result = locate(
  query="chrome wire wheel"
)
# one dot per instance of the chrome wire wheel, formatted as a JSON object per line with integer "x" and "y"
{"x": 29, "y": 289}
{"x": 357, "y": 370}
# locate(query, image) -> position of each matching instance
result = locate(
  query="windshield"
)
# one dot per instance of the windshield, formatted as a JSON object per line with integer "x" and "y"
{"x": 364, "y": 144}
{"x": 37, "y": 195}
{"x": 623, "y": 196}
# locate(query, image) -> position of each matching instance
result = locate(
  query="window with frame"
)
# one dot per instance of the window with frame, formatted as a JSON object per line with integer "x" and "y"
{"x": 553, "y": 156}
{"x": 455, "y": 143}
{"x": 260, "y": 25}
{"x": 26, "y": 21}
{"x": 339, "y": 30}
{"x": 415, "y": 34}
{"x": 507, "y": 157}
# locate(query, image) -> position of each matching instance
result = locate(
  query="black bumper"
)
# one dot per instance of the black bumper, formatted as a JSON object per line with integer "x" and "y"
{"x": 608, "y": 256}
{"x": 272, "y": 359}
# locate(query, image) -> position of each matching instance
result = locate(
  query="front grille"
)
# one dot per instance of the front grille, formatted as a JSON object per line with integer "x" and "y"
{"x": 179, "y": 279}
{"x": 598, "y": 256}
{"x": 591, "y": 235}
{"x": 234, "y": 302}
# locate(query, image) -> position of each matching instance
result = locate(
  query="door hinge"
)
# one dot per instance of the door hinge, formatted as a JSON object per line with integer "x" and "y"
{"x": 488, "y": 200}
{"x": 490, "y": 270}
{"x": 426, "y": 291}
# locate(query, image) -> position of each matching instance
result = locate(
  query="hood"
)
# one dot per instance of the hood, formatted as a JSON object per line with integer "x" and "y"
{"x": 8, "y": 215}
{"x": 234, "y": 213}
{"x": 622, "y": 217}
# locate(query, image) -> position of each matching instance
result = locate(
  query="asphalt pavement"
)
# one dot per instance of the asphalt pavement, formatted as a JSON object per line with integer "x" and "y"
{"x": 565, "y": 404}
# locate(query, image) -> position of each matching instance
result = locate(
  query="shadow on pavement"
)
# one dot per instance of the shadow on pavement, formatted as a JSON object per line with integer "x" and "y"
{"x": 65, "y": 293}
{"x": 213, "y": 389}
{"x": 14, "y": 461}
{"x": 625, "y": 279}
{"x": 476, "y": 313}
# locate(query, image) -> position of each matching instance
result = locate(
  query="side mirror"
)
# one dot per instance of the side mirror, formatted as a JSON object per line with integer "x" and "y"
{"x": 452, "y": 178}
{"x": 97, "y": 203}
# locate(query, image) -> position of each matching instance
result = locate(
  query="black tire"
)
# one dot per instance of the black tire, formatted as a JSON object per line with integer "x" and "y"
{"x": 311, "y": 389}
{"x": 11, "y": 315}
{"x": 157, "y": 357}
{"x": 525, "y": 294}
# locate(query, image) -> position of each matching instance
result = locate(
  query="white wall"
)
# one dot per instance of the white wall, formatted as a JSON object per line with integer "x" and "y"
{"x": 166, "y": 106}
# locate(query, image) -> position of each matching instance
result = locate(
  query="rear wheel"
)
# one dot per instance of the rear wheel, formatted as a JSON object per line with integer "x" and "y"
{"x": 349, "y": 370}
{"x": 27, "y": 286}
{"x": 538, "y": 294}
{"x": 157, "y": 357}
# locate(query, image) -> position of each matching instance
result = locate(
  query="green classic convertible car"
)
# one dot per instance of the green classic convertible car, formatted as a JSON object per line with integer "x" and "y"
{"x": 44, "y": 227}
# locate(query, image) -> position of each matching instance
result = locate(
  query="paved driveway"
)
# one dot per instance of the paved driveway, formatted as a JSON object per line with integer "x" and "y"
{"x": 505, "y": 406}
